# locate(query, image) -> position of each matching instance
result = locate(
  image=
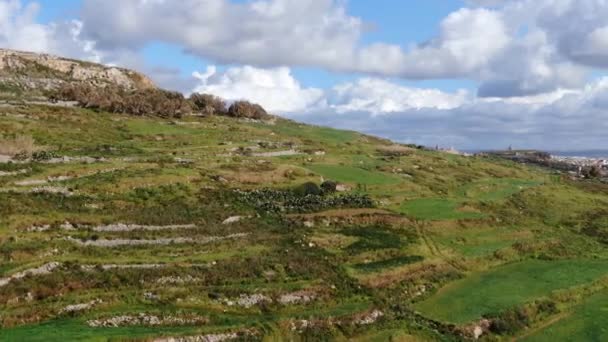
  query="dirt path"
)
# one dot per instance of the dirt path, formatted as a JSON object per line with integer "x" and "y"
{"x": 434, "y": 248}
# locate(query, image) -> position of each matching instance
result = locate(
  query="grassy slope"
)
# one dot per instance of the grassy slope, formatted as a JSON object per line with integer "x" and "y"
{"x": 443, "y": 217}
{"x": 508, "y": 286}
{"x": 586, "y": 322}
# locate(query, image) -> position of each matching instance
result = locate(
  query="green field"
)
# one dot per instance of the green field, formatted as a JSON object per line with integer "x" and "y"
{"x": 225, "y": 219}
{"x": 508, "y": 286}
{"x": 74, "y": 330}
{"x": 436, "y": 209}
{"x": 586, "y": 322}
{"x": 496, "y": 189}
{"x": 354, "y": 175}
{"x": 479, "y": 242}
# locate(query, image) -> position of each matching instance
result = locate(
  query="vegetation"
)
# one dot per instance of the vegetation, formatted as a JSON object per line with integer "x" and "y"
{"x": 154, "y": 102}
{"x": 155, "y": 222}
{"x": 500, "y": 289}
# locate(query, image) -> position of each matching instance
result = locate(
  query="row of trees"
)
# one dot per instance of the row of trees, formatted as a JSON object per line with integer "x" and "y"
{"x": 154, "y": 102}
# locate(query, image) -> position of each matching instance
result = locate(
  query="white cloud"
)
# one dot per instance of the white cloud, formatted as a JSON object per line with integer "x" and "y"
{"x": 578, "y": 28}
{"x": 379, "y": 96}
{"x": 514, "y": 48}
{"x": 262, "y": 33}
{"x": 278, "y": 91}
{"x": 532, "y": 59}
{"x": 564, "y": 119}
{"x": 20, "y": 31}
{"x": 316, "y": 33}
{"x": 275, "y": 88}
{"x": 530, "y": 66}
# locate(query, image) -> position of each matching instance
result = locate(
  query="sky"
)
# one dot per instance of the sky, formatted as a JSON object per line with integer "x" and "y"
{"x": 468, "y": 74}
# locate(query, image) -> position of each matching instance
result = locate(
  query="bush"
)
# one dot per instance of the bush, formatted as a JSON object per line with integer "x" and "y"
{"x": 308, "y": 188}
{"x": 329, "y": 187}
{"x": 155, "y": 102}
{"x": 43, "y": 156}
{"x": 208, "y": 104}
{"x": 245, "y": 109}
{"x": 276, "y": 201}
{"x": 592, "y": 172}
{"x": 510, "y": 322}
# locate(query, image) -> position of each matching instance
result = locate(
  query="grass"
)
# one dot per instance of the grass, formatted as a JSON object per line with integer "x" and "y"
{"x": 478, "y": 242}
{"x": 496, "y": 189}
{"x": 353, "y": 258}
{"x": 76, "y": 330}
{"x": 372, "y": 238}
{"x": 377, "y": 266}
{"x": 437, "y": 209}
{"x": 508, "y": 286}
{"x": 587, "y": 322}
{"x": 317, "y": 134}
{"x": 353, "y": 175}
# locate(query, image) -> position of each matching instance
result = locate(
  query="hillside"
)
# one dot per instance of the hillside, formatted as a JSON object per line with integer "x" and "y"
{"x": 212, "y": 228}
{"x": 29, "y": 74}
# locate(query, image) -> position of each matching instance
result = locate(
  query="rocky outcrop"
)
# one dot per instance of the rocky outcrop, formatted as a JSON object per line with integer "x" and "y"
{"x": 121, "y": 227}
{"x": 299, "y": 297}
{"x": 80, "y": 307}
{"x": 143, "y": 319}
{"x": 44, "y": 269}
{"x": 244, "y": 335}
{"x": 248, "y": 301}
{"x": 28, "y": 70}
{"x": 160, "y": 241}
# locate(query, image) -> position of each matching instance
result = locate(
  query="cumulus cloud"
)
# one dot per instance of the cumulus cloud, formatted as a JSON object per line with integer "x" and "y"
{"x": 514, "y": 47}
{"x": 468, "y": 41}
{"x": 316, "y": 33}
{"x": 276, "y": 89}
{"x": 20, "y": 31}
{"x": 262, "y": 33}
{"x": 579, "y": 28}
{"x": 531, "y": 59}
{"x": 530, "y": 66}
{"x": 378, "y": 96}
{"x": 563, "y": 119}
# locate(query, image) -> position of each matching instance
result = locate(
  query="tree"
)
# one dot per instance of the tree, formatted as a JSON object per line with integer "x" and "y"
{"x": 245, "y": 109}
{"x": 208, "y": 104}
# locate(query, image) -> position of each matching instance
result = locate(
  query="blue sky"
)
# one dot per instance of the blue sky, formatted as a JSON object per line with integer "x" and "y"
{"x": 466, "y": 73}
{"x": 391, "y": 21}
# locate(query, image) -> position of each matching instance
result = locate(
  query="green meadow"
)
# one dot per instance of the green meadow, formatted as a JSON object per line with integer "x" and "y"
{"x": 508, "y": 286}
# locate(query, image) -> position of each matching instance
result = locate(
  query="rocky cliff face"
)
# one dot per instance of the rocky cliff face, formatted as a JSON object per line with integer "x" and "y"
{"x": 32, "y": 71}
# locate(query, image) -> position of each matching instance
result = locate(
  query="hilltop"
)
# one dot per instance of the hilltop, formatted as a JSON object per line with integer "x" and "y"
{"x": 218, "y": 224}
{"x": 30, "y": 73}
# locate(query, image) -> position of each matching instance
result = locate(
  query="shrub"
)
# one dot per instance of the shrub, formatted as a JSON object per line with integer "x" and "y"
{"x": 329, "y": 187}
{"x": 208, "y": 104}
{"x": 245, "y": 109}
{"x": 510, "y": 322}
{"x": 308, "y": 188}
{"x": 43, "y": 156}
{"x": 156, "y": 102}
{"x": 276, "y": 201}
{"x": 592, "y": 172}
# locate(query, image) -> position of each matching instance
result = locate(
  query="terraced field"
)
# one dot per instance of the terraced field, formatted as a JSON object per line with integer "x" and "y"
{"x": 116, "y": 227}
{"x": 587, "y": 321}
{"x": 507, "y": 286}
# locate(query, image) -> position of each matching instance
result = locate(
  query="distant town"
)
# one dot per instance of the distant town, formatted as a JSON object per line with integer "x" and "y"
{"x": 577, "y": 167}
